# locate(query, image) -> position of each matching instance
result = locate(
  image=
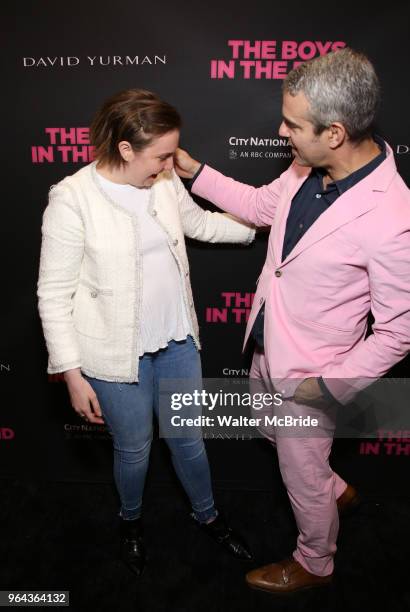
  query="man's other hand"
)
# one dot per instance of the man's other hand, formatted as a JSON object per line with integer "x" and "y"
{"x": 309, "y": 392}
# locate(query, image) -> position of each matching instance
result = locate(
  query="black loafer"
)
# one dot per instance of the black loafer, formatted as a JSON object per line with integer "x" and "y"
{"x": 219, "y": 531}
{"x": 132, "y": 547}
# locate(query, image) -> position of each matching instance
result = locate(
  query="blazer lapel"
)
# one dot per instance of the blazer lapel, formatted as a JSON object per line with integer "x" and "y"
{"x": 299, "y": 176}
{"x": 352, "y": 204}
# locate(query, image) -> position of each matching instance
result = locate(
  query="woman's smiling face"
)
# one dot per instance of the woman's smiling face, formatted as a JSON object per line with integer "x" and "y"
{"x": 142, "y": 167}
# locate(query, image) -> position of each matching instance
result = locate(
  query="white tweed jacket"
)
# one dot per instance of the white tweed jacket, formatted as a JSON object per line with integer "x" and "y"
{"x": 90, "y": 279}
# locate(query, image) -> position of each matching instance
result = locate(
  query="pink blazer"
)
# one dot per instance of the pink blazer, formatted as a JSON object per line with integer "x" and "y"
{"x": 354, "y": 258}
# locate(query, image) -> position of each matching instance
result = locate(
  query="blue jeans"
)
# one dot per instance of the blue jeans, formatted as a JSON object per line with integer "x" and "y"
{"x": 128, "y": 410}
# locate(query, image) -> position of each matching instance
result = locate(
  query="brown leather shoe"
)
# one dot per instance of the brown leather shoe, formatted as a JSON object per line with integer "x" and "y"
{"x": 348, "y": 501}
{"x": 286, "y": 576}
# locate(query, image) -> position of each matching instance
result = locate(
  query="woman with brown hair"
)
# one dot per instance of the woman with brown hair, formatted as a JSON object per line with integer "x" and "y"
{"x": 116, "y": 303}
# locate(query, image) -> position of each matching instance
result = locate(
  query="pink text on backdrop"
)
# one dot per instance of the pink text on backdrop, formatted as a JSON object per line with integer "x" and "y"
{"x": 236, "y": 308}
{"x": 65, "y": 145}
{"x": 391, "y": 443}
{"x": 6, "y": 433}
{"x": 268, "y": 59}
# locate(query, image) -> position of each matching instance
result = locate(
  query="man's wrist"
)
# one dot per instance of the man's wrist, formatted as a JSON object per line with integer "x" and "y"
{"x": 195, "y": 169}
{"x": 199, "y": 168}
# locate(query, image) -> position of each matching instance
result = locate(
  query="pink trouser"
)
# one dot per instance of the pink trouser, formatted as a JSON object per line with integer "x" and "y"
{"x": 312, "y": 485}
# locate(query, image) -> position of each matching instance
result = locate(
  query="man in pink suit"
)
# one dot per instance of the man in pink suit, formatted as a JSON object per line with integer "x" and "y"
{"x": 339, "y": 247}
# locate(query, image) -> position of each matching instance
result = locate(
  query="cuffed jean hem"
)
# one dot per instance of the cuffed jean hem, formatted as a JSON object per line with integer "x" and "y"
{"x": 130, "y": 515}
{"x": 203, "y": 516}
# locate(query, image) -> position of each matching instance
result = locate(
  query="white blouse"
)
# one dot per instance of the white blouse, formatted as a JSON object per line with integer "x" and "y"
{"x": 163, "y": 315}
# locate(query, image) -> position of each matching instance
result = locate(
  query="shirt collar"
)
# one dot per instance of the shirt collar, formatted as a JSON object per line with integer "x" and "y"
{"x": 352, "y": 179}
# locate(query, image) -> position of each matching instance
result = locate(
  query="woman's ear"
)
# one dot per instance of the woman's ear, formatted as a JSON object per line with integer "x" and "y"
{"x": 125, "y": 150}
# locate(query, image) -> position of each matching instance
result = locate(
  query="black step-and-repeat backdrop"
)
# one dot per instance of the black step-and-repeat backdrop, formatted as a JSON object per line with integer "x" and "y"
{"x": 221, "y": 64}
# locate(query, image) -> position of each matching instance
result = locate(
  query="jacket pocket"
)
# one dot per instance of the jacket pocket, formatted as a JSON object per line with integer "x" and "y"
{"x": 93, "y": 308}
{"x": 322, "y": 326}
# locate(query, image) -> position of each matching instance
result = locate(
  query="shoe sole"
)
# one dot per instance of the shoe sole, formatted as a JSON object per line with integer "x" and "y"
{"x": 287, "y": 593}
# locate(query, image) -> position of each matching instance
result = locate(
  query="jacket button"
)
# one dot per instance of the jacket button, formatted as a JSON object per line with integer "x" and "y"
{"x": 278, "y": 273}
{"x": 154, "y": 213}
{"x": 175, "y": 242}
{"x": 93, "y": 294}
{"x": 261, "y": 301}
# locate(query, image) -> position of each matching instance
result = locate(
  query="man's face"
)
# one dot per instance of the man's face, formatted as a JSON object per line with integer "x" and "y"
{"x": 308, "y": 148}
{"x": 144, "y": 166}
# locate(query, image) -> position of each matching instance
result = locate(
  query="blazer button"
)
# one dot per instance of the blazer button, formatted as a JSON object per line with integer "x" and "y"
{"x": 261, "y": 300}
{"x": 93, "y": 294}
{"x": 278, "y": 273}
{"x": 154, "y": 213}
{"x": 175, "y": 242}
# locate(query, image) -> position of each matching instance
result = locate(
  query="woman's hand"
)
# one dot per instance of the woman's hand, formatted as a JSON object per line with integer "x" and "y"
{"x": 82, "y": 396}
{"x": 185, "y": 165}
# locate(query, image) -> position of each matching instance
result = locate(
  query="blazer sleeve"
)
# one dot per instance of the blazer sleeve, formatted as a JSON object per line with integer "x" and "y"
{"x": 209, "y": 226}
{"x": 255, "y": 205}
{"x": 62, "y": 251}
{"x": 389, "y": 279}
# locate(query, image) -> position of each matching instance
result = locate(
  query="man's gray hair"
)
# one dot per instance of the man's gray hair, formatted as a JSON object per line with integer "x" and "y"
{"x": 341, "y": 86}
